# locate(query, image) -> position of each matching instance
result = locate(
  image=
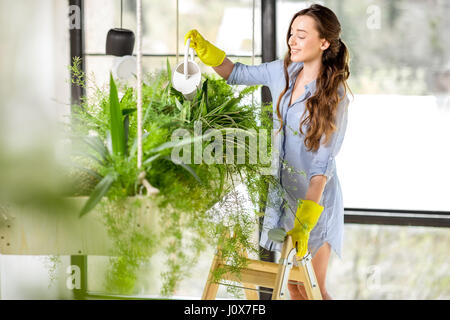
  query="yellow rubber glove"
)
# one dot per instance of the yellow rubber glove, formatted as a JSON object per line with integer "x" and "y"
{"x": 208, "y": 53}
{"x": 308, "y": 213}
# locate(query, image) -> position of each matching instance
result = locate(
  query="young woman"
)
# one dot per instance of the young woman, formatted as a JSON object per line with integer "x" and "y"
{"x": 309, "y": 92}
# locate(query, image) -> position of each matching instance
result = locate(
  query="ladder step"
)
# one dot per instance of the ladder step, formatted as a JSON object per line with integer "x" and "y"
{"x": 265, "y": 274}
{"x": 249, "y": 276}
{"x": 257, "y": 271}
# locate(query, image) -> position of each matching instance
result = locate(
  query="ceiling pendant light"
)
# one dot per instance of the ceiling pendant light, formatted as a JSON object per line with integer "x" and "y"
{"x": 120, "y": 43}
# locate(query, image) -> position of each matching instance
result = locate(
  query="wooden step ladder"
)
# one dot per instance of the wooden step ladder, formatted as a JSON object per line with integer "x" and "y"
{"x": 267, "y": 274}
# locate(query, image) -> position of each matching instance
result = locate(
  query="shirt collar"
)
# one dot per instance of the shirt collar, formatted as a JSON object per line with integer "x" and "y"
{"x": 294, "y": 69}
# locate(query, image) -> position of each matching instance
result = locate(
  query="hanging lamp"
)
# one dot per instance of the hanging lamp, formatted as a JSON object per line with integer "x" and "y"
{"x": 119, "y": 41}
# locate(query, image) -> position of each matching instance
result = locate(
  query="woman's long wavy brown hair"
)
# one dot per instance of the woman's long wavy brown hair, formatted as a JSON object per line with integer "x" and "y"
{"x": 322, "y": 106}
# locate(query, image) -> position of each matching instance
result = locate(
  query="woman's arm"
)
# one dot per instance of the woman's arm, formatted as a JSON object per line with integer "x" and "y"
{"x": 224, "y": 70}
{"x": 316, "y": 187}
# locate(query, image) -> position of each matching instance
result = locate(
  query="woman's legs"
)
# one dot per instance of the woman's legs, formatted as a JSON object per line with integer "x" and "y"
{"x": 320, "y": 265}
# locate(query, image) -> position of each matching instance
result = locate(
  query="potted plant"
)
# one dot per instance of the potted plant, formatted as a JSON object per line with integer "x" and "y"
{"x": 190, "y": 199}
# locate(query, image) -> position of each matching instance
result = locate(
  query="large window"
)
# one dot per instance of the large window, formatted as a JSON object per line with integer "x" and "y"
{"x": 395, "y": 153}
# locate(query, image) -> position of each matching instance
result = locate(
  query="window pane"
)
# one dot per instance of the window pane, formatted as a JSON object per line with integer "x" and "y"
{"x": 215, "y": 20}
{"x": 98, "y": 68}
{"x": 99, "y": 17}
{"x": 391, "y": 262}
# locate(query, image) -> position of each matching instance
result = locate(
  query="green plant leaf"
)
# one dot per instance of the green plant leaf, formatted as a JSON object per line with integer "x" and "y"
{"x": 187, "y": 106}
{"x": 127, "y": 98}
{"x": 222, "y": 182}
{"x": 205, "y": 91}
{"x": 223, "y": 107}
{"x": 187, "y": 167}
{"x": 149, "y": 106}
{"x": 204, "y": 110}
{"x": 175, "y": 93}
{"x": 109, "y": 142}
{"x": 116, "y": 122}
{"x": 126, "y": 126}
{"x": 186, "y": 112}
{"x": 149, "y": 160}
{"x": 169, "y": 70}
{"x": 100, "y": 190}
{"x": 178, "y": 104}
{"x": 97, "y": 145}
{"x": 128, "y": 111}
{"x": 91, "y": 172}
{"x": 87, "y": 155}
{"x": 134, "y": 147}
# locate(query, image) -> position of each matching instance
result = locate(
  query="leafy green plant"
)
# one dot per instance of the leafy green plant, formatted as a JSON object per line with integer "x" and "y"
{"x": 108, "y": 160}
{"x": 191, "y": 196}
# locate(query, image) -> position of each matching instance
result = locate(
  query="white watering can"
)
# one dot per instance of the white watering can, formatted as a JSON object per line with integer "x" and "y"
{"x": 186, "y": 77}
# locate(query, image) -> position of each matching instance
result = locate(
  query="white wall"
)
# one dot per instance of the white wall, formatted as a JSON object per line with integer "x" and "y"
{"x": 34, "y": 82}
{"x": 34, "y": 94}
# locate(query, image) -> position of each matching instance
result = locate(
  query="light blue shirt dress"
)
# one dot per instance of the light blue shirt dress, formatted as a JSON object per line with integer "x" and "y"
{"x": 294, "y": 165}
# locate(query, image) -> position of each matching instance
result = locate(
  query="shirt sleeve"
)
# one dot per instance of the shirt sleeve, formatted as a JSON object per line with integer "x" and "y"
{"x": 263, "y": 74}
{"x": 323, "y": 159}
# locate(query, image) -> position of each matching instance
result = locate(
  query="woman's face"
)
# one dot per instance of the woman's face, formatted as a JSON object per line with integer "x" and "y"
{"x": 304, "y": 41}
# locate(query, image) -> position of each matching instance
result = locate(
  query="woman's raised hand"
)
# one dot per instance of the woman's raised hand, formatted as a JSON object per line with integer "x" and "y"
{"x": 207, "y": 52}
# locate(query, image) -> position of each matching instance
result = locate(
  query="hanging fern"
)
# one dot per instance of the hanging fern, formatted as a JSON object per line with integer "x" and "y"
{"x": 199, "y": 202}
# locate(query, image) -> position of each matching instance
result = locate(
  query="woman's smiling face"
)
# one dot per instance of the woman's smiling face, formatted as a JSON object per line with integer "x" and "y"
{"x": 304, "y": 41}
